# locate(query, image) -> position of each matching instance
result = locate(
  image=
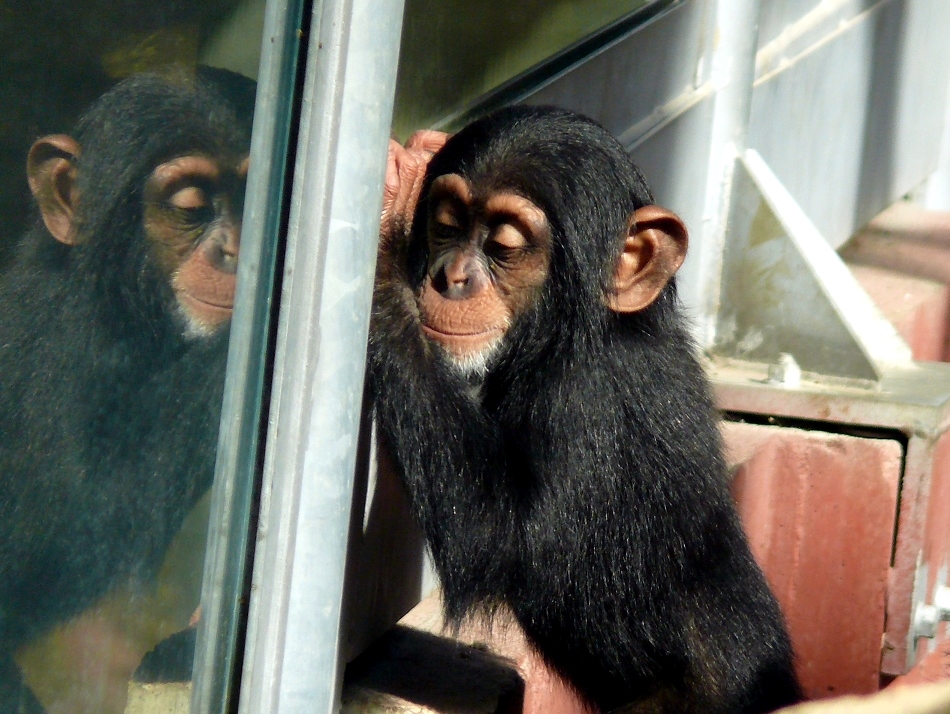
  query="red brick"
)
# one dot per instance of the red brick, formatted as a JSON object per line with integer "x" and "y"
{"x": 819, "y": 510}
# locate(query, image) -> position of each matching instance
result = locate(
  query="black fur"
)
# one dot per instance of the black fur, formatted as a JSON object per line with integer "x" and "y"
{"x": 108, "y": 414}
{"x": 582, "y": 483}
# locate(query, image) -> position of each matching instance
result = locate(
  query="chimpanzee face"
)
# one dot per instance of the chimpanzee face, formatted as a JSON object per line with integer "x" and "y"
{"x": 192, "y": 218}
{"x": 488, "y": 258}
{"x": 190, "y": 223}
{"x": 490, "y": 255}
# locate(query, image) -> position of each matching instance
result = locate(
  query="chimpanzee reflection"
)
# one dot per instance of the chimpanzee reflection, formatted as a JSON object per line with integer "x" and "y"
{"x": 113, "y": 335}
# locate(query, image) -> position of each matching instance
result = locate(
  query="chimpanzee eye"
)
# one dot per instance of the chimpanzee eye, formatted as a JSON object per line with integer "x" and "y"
{"x": 508, "y": 236}
{"x": 193, "y": 204}
{"x": 505, "y": 244}
{"x": 499, "y": 255}
{"x": 189, "y": 198}
{"x": 446, "y": 231}
{"x": 446, "y": 219}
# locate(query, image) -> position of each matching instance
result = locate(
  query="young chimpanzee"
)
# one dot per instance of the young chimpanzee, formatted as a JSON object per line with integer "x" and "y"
{"x": 113, "y": 339}
{"x": 533, "y": 378}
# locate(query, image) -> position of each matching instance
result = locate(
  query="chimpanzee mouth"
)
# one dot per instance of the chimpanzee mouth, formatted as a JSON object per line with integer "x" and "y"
{"x": 469, "y": 353}
{"x": 207, "y": 303}
{"x": 464, "y": 344}
{"x": 202, "y": 317}
{"x": 481, "y": 334}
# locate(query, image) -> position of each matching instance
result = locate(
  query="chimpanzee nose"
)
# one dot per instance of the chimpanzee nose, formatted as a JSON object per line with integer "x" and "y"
{"x": 459, "y": 279}
{"x": 227, "y": 247}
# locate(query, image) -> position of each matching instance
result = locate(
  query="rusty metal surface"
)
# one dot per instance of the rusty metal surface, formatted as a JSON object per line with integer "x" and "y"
{"x": 935, "y": 667}
{"x": 919, "y": 308}
{"x": 935, "y": 549}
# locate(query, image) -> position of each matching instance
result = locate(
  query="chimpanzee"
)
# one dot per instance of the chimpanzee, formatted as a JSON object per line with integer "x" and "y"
{"x": 113, "y": 335}
{"x": 533, "y": 378}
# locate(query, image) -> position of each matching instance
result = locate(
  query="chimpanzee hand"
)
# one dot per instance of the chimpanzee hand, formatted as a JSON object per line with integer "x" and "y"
{"x": 405, "y": 170}
{"x": 393, "y": 301}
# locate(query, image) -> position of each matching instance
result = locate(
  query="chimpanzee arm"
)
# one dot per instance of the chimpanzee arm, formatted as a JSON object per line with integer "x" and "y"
{"x": 649, "y": 554}
{"x": 462, "y": 481}
{"x": 457, "y": 489}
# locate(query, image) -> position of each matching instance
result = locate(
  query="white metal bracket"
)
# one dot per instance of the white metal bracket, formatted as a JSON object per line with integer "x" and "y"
{"x": 787, "y": 292}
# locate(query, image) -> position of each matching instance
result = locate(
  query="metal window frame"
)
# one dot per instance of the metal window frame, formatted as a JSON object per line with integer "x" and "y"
{"x": 292, "y": 649}
{"x": 310, "y": 231}
{"x": 219, "y": 648}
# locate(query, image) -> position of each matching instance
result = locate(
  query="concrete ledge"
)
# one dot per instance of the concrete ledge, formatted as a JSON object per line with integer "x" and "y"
{"x": 923, "y": 699}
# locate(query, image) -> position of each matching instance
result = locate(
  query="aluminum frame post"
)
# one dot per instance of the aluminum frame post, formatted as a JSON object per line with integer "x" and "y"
{"x": 293, "y": 661}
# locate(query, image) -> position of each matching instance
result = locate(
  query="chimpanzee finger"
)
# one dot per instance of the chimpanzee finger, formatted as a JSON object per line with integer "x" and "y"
{"x": 405, "y": 171}
{"x": 427, "y": 140}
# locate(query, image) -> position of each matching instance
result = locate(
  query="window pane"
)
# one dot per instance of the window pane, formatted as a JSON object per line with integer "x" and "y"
{"x": 124, "y": 144}
{"x": 453, "y": 51}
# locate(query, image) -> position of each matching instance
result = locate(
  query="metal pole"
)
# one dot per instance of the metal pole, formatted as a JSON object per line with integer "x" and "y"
{"x": 734, "y": 37}
{"x": 292, "y": 661}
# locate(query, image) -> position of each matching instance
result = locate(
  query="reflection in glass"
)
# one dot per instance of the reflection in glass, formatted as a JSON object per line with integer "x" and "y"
{"x": 456, "y": 50}
{"x": 115, "y": 308}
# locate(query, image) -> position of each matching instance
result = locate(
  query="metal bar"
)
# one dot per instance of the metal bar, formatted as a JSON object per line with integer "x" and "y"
{"x": 293, "y": 662}
{"x": 664, "y": 115}
{"x": 734, "y": 39}
{"x": 230, "y": 541}
{"x": 820, "y": 25}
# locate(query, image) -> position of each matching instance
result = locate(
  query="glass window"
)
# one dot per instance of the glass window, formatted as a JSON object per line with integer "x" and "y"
{"x": 124, "y": 156}
{"x": 454, "y": 51}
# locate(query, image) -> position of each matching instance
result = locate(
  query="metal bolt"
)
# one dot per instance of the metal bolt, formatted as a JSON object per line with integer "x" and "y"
{"x": 786, "y": 371}
{"x": 928, "y": 617}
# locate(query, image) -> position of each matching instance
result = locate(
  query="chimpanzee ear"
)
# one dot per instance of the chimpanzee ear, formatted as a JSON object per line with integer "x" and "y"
{"x": 653, "y": 251}
{"x": 51, "y": 171}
